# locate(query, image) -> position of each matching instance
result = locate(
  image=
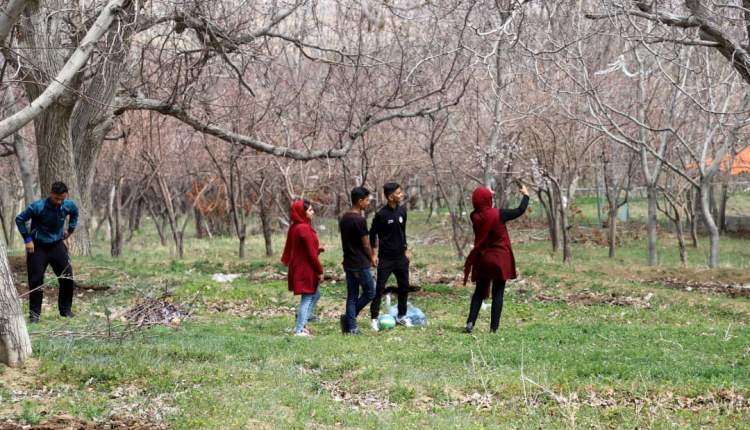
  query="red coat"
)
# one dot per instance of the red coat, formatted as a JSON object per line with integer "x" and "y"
{"x": 492, "y": 256}
{"x": 301, "y": 253}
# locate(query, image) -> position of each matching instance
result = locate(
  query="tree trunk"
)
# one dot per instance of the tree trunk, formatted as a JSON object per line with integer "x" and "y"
{"x": 690, "y": 212}
{"x": 134, "y": 220}
{"x": 651, "y": 224}
{"x": 200, "y": 230}
{"x": 713, "y": 230}
{"x": 115, "y": 217}
{"x": 242, "y": 247}
{"x": 612, "y": 230}
{"x": 552, "y": 221}
{"x": 567, "y": 252}
{"x": 26, "y": 168}
{"x": 6, "y": 231}
{"x": 15, "y": 344}
{"x": 51, "y": 127}
{"x": 680, "y": 237}
{"x": 159, "y": 223}
{"x": 267, "y": 226}
{"x": 723, "y": 198}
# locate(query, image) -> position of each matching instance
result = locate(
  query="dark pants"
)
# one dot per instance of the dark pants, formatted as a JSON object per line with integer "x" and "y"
{"x": 400, "y": 269}
{"x": 498, "y": 291}
{"x": 55, "y": 255}
{"x": 355, "y": 301}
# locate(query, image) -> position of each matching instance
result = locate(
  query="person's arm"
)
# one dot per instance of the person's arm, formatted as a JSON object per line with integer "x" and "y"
{"x": 511, "y": 214}
{"x": 73, "y": 222}
{"x": 21, "y": 221}
{"x": 374, "y": 229}
{"x": 369, "y": 250}
{"x": 403, "y": 229}
{"x": 366, "y": 241}
{"x": 311, "y": 249}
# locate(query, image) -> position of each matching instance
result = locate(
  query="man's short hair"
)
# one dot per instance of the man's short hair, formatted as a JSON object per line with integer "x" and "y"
{"x": 59, "y": 188}
{"x": 390, "y": 188}
{"x": 306, "y": 204}
{"x": 359, "y": 193}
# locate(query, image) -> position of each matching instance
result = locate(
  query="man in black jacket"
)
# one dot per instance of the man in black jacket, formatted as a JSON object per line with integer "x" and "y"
{"x": 388, "y": 236}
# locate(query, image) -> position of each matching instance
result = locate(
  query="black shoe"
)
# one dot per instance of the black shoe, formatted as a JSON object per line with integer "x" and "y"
{"x": 33, "y": 317}
{"x": 469, "y": 327}
{"x": 67, "y": 314}
{"x": 343, "y": 324}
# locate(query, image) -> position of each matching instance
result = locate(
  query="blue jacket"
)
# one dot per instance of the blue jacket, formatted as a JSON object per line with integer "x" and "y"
{"x": 47, "y": 221}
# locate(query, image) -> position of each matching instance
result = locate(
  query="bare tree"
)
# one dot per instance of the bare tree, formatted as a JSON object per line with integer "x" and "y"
{"x": 15, "y": 344}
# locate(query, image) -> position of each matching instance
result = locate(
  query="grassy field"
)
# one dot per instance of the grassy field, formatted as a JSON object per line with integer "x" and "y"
{"x": 597, "y": 344}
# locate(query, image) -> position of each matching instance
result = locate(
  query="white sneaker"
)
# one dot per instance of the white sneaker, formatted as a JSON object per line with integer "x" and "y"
{"x": 303, "y": 334}
{"x": 404, "y": 321}
{"x": 375, "y": 324}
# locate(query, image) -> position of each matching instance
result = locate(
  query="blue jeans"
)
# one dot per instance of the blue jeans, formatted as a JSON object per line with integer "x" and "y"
{"x": 354, "y": 301}
{"x": 307, "y": 304}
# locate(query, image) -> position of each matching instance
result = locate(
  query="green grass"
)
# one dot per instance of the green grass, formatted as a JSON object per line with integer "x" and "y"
{"x": 546, "y": 367}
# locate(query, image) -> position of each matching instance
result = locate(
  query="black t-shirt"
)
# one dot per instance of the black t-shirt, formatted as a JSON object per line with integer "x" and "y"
{"x": 353, "y": 227}
{"x": 388, "y": 232}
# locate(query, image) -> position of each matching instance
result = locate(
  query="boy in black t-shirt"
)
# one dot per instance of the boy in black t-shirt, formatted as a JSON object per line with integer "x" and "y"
{"x": 388, "y": 237}
{"x": 358, "y": 259}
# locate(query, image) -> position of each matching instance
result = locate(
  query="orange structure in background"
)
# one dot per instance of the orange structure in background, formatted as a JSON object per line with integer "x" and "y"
{"x": 741, "y": 163}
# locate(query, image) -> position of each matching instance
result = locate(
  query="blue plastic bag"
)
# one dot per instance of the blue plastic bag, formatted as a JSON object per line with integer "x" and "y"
{"x": 417, "y": 317}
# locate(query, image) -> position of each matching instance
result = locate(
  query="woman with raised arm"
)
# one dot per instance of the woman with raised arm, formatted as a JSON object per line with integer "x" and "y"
{"x": 490, "y": 263}
{"x": 302, "y": 257}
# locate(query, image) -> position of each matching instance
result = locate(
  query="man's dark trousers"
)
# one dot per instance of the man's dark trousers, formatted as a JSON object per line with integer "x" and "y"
{"x": 56, "y": 255}
{"x": 399, "y": 267}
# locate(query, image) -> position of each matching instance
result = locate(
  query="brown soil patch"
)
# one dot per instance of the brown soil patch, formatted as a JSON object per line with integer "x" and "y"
{"x": 235, "y": 308}
{"x": 714, "y": 287}
{"x": 725, "y": 400}
{"x": 368, "y": 400}
{"x": 20, "y": 377}
{"x": 731, "y": 282}
{"x": 67, "y": 422}
{"x": 588, "y": 298}
{"x": 17, "y": 264}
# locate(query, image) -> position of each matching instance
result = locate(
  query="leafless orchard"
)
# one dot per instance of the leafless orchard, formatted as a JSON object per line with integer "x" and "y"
{"x": 213, "y": 114}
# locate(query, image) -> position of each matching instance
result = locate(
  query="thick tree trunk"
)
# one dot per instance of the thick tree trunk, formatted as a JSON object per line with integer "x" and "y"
{"x": 15, "y": 344}
{"x": 713, "y": 230}
{"x": 651, "y": 224}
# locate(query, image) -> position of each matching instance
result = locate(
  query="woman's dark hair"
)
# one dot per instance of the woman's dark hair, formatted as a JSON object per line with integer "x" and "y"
{"x": 59, "y": 188}
{"x": 390, "y": 188}
{"x": 306, "y": 204}
{"x": 359, "y": 193}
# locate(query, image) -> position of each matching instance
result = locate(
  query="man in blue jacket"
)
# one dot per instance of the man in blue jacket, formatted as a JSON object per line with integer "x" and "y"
{"x": 45, "y": 246}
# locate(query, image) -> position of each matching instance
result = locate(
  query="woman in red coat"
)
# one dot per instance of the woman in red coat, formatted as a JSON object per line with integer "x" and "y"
{"x": 491, "y": 260}
{"x": 301, "y": 256}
